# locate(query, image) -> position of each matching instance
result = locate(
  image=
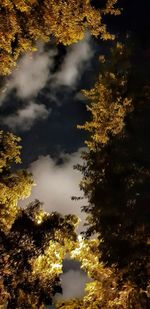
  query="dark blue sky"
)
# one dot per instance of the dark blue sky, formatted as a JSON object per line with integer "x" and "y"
{"x": 58, "y": 132}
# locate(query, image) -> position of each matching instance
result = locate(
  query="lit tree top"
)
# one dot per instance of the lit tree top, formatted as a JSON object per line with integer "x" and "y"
{"x": 23, "y": 22}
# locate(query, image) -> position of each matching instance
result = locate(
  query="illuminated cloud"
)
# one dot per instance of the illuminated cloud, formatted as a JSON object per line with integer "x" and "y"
{"x": 78, "y": 55}
{"x": 31, "y": 74}
{"x": 73, "y": 284}
{"x": 24, "y": 118}
{"x": 34, "y": 71}
{"x": 56, "y": 184}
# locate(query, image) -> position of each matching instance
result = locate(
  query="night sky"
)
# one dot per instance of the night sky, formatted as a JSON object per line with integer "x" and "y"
{"x": 56, "y": 131}
{"x": 41, "y": 102}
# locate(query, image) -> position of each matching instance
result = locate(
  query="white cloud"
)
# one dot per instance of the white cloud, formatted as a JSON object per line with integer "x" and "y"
{"x": 71, "y": 69}
{"x": 56, "y": 184}
{"x": 31, "y": 74}
{"x": 33, "y": 70}
{"x": 25, "y": 118}
{"x": 73, "y": 284}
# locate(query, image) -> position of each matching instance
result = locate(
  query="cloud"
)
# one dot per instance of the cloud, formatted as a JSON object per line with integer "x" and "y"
{"x": 24, "y": 118}
{"x": 73, "y": 284}
{"x": 56, "y": 184}
{"x": 31, "y": 74}
{"x": 73, "y": 65}
{"x": 34, "y": 70}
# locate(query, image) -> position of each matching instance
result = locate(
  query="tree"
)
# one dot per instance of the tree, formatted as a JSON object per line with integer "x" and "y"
{"x": 14, "y": 185}
{"x": 32, "y": 254}
{"x": 33, "y": 243}
{"x": 23, "y": 22}
{"x": 106, "y": 289}
{"x": 116, "y": 179}
{"x": 70, "y": 304}
{"x": 110, "y": 100}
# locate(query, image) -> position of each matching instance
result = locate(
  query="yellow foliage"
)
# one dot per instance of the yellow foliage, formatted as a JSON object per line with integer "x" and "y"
{"x": 108, "y": 103}
{"x": 13, "y": 188}
{"x": 70, "y": 304}
{"x": 49, "y": 264}
{"x": 9, "y": 150}
{"x": 22, "y": 22}
{"x": 106, "y": 290}
{"x": 13, "y": 185}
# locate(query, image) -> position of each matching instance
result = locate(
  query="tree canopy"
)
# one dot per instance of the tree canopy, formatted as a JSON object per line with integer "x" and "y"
{"x": 23, "y": 22}
{"x": 33, "y": 243}
{"x": 110, "y": 100}
{"x": 14, "y": 184}
{"x": 106, "y": 289}
{"x": 31, "y": 257}
{"x": 115, "y": 172}
{"x": 116, "y": 177}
